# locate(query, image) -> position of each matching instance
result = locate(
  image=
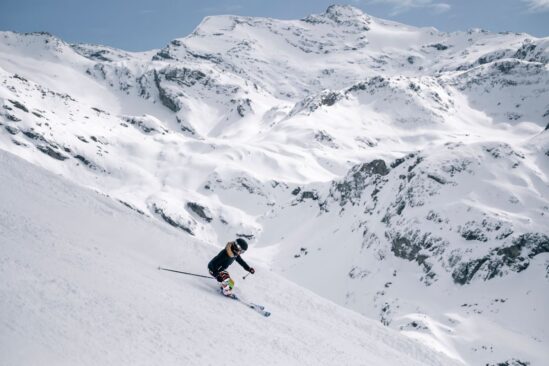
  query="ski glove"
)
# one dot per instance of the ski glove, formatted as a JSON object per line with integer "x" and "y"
{"x": 252, "y": 271}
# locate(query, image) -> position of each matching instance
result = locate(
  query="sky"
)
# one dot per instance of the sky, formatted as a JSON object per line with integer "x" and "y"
{"x": 139, "y": 25}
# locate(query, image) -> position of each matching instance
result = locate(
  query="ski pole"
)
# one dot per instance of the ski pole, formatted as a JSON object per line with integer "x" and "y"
{"x": 246, "y": 275}
{"x": 187, "y": 273}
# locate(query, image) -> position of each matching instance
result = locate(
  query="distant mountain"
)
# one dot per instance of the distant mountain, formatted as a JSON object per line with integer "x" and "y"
{"x": 399, "y": 171}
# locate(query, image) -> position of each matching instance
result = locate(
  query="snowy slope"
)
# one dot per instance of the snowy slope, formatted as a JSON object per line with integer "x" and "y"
{"x": 403, "y": 162}
{"x": 81, "y": 287}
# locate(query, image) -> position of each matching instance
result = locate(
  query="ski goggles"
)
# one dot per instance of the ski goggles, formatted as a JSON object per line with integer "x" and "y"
{"x": 238, "y": 249}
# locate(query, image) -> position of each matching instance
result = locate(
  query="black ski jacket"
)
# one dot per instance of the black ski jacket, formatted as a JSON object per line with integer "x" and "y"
{"x": 223, "y": 260}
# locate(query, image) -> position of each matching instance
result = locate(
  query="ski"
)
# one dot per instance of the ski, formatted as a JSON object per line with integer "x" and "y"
{"x": 258, "y": 308}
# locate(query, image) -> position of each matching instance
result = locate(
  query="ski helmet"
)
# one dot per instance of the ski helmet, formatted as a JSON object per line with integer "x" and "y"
{"x": 241, "y": 245}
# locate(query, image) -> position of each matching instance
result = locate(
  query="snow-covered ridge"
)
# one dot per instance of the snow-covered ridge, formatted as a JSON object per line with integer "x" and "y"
{"x": 270, "y": 130}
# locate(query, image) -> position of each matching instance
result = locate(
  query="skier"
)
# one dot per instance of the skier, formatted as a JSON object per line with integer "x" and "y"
{"x": 218, "y": 265}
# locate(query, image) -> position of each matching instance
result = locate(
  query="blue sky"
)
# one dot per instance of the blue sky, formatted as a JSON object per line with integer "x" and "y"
{"x": 138, "y": 25}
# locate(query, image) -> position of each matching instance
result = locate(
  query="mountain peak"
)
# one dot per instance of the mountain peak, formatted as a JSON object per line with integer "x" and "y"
{"x": 341, "y": 14}
{"x": 343, "y": 11}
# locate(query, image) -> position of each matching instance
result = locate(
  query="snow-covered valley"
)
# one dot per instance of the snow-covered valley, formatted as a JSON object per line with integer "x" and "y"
{"x": 399, "y": 172}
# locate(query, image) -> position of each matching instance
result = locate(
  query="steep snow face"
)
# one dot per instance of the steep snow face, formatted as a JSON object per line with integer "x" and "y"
{"x": 379, "y": 164}
{"x": 80, "y": 285}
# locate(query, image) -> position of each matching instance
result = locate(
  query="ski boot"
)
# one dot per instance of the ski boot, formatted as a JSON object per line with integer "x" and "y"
{"x": 227, "y": 286}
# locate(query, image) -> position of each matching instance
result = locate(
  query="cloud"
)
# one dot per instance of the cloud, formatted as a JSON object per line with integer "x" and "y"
{"x": 537, "y": 5}
{"x": 402, "y": 6}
